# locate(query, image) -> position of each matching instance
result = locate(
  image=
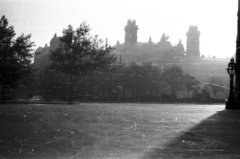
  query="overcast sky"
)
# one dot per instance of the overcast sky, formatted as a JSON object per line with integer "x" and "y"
{"x": 216, "y": 20}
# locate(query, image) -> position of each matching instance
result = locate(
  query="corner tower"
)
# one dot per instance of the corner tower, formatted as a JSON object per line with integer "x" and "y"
{"x": 193, "y": 42}
{"x": 131, "y": 32}
{"x": 54, "y": 42}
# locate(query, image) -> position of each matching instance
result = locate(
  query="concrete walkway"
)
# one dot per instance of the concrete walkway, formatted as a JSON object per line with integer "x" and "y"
{"x": 218, "y": 136}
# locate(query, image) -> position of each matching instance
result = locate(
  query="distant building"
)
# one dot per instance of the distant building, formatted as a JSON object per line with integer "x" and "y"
{"x": 193, "y": 42}
{"x": 54, "y": 42}
{"x": 131, "y": 32}
{"x": 133, "y": 51}
{"x": 164, "y": 54}
{"x": 41, "y": 56}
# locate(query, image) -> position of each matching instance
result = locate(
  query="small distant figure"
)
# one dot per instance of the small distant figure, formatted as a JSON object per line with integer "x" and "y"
{"x": 48, "y": 99}
{"x": 29, "y": 97}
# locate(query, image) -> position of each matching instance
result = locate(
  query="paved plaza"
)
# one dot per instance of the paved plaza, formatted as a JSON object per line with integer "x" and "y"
{"x": 118, "y": 131}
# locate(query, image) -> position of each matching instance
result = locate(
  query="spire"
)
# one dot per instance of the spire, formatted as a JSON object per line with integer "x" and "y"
{"x": 106, "y": 45}
{"x": 118, "y": 43}
{"x": 180, "y": 41}
{"x": 150, "y": 40}
{"x": 180, "y": 48}
{"x": 120, "y": 60}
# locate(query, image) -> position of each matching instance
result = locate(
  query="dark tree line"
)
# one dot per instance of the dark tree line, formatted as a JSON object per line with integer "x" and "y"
{"x": 132, "y": 83}
{"x": 15, "y": 57}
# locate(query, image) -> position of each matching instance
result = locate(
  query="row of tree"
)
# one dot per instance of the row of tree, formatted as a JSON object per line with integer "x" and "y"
{"x": 128, "y": 83}
{"x": 15, "y": 57}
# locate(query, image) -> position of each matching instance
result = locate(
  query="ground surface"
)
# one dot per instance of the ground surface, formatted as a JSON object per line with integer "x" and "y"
{"x": 124, "y": 131}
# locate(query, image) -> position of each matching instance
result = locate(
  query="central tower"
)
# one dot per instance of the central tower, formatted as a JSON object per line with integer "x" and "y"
{"x": 131, "y": 32}
{"x": 193, "y": 42}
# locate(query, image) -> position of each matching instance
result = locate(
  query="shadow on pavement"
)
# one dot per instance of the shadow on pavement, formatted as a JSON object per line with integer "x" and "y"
{"x": 215, "y": 137}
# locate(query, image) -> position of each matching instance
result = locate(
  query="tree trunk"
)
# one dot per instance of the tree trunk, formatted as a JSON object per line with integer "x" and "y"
{"x": 187, "y": 93}
{"x": 4, "y": 93}
{"x": 173, "y": 90}
{"x": 215, "y": 93}
{"x": 70, "y": 93}
{"x": 28, "y": 93}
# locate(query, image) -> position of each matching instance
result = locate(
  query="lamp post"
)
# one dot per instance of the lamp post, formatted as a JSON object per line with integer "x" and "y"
{"x": 237, "y": 91}
{"x": 231, "y": 103}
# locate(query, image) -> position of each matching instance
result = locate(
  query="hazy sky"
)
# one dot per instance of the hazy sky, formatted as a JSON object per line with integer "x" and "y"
{"x": 216, "y": 20}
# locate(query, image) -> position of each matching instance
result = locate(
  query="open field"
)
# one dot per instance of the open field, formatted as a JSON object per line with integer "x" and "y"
{"x": 124, "y": 131}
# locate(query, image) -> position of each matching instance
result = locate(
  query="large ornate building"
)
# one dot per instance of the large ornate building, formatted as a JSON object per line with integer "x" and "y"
{"x": 164, "y": 53}
{"x": 133, "y": 51}
{"x": 159, "y": 54}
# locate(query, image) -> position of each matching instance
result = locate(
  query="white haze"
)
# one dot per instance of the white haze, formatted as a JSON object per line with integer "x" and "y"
{"x": 216, "y": 20}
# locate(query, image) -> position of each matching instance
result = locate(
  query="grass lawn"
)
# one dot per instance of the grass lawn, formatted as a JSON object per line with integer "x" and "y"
{"x": 93, "y": 130}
